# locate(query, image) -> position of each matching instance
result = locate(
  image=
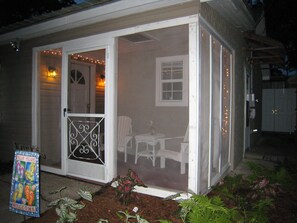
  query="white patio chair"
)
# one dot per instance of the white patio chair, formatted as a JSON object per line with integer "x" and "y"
{"x": 181, "y": 156}
{"x": 124, "y": 134}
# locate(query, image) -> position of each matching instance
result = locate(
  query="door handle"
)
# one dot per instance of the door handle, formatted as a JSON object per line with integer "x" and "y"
{"x": 66, "y": 110}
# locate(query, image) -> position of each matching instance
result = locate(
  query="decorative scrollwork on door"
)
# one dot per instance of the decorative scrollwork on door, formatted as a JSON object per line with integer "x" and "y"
{"x": 85, "y": 139}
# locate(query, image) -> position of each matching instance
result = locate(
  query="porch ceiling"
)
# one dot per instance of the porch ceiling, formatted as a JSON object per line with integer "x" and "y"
{"x": 265, "y": 50}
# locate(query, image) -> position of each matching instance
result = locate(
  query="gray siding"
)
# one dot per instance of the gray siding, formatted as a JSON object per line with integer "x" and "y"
{"x": 15, "y": 99}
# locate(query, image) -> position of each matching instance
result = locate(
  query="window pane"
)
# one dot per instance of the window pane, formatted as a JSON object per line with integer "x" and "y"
{"x": 166, "y": 86}
{"x": 225, "y": 105}
{"x": 177, "y": 95}
{"x": 177, "y": 73}
{"x": 177, "y": 64}
{"x": 50, "y": 107}
{"x": 166, "y": 65}
{"x": 80, "y": 78}
{"x": 204, "y": 109}
{"x": 177, "y": 86}
{"x": 166, "y": 71}
{"x": 177, "y": 70}
{"x": 216, "y": 106}
{"x": 137, "y": 65}
{"x": 166, "y": 96}
{"x": 166, "y": 75}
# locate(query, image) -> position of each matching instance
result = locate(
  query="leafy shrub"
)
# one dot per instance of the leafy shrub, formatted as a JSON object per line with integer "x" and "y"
{"x": 125, "y": 186}
{"x": 202, "y": 209}
{"x": 256, "y": 171}
{"x": 128, "y": 217}
{"x": 254, "y": 195}
{"x": 279, "y": 175}
{"x": 66, "y": 207}
{"x": 284, "y": 178}
{"x": 258, "y": 212}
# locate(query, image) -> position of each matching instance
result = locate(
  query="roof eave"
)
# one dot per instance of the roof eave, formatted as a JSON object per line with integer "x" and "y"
{"x": 236, "y": 12}
{"x": 87, "y": 17}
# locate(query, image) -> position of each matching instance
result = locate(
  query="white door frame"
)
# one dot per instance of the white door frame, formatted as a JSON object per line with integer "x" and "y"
{"x": 107, "y": 171}
{"x": 74, "y": 46}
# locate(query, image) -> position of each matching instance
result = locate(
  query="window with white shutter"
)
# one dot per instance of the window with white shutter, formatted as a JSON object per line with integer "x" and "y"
{"x": 172, "y": 81}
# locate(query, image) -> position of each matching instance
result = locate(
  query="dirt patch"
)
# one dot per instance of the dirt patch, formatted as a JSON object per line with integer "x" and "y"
{"x": 105, "y": 206}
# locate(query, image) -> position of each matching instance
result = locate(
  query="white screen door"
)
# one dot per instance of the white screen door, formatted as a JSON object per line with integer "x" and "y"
{"x": 84, "y": 117}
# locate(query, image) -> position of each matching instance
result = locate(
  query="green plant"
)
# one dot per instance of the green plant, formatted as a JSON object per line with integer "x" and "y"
{"x": 125, "y": 186}
{"x": 102, "y": 221}
{"x": 283, "y": 177}
{"x": 258, "y": 213}
{"x": 229, "y": 187}
{"x": 263, "y": 186}
{"x": 66, "y": 207}
{"x": 127, "y": 216}
{"x": 279, "y": 174}
{"x": 251, "y": 199}
{"x": 256, "y": 171}
{"x": 202, "y": 209}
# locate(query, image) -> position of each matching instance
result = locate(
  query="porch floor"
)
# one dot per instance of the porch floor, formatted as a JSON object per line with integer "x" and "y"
{"x": 168, "y": 177}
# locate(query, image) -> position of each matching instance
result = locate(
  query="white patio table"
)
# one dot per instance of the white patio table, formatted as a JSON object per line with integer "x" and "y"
{"x": 151, "y": 140}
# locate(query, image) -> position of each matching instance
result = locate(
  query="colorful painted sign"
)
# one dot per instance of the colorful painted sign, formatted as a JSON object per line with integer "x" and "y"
{"x": 24, "y": 194}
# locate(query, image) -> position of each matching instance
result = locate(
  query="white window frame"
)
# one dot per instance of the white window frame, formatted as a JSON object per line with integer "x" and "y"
{"x": 185, "y": 81}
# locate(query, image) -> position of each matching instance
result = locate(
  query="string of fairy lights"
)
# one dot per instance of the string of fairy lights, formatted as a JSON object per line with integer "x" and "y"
{"x": 78, "y": 57}
{"x": 226, "y": 97}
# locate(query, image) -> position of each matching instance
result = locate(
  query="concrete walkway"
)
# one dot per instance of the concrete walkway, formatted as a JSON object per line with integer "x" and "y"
{"x": 270, "y": 150}
{"x": 48, "y": 183}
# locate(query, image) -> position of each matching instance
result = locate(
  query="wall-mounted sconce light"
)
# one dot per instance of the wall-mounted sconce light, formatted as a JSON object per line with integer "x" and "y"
{"x": 52, "y": 72}
{"x": 15, "y": 45}
{"x": 101, "y": 82}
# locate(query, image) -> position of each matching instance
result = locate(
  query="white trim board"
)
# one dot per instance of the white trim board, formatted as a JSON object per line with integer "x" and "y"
{"x": 87, "y": 17}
